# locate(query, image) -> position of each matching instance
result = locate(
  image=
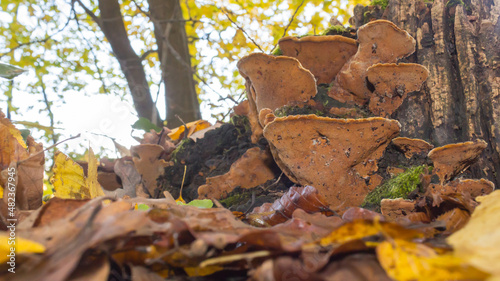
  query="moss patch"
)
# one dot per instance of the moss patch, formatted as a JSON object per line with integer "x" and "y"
{"x": 296, "y": 110}
{"x": 335, "y": 29}
{"x": 399, "y": 186}
{"x": 277, "y": 52}
{"x": 382, "y": 3}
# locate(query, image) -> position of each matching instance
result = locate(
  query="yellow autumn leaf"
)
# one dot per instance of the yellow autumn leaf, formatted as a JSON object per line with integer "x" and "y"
{"x": 478, "y": 242}
{"x": 359, "y": 229}
{"x": 22, "y": 246}
{"x": 404, "y": 260}
{"x": 192, "y": 127}
{"x": 69, "y": 180}
{"x": 92, "y": 184}
{"x": 202, "y": 271}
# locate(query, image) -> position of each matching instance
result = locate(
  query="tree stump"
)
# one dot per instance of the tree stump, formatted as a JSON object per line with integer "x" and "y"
{"x": 459, "y": 42}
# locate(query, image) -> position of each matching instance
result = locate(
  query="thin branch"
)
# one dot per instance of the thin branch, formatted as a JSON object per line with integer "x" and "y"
{"x": 91, "y": 14}
{"x": 99, "y": 71}
{"x": 47, "y": 38}
{"x": 49, "y": 109}
{"x": 225, "y": 12}
{"x": 146, "y": 54}
{"x": 289, "y": 23}
{"x": 140, "y": 9}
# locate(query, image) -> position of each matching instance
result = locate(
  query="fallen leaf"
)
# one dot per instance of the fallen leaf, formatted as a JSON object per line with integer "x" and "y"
{"x": 477, "y": 243}
{"x": 22, "y": 246}
{"x": 405, "y": 260}
{"x": 192, "y": 127}
{"x": 359, "y": 229}
{"x": 91, "y": 182}
{"x": 69, "y": 180}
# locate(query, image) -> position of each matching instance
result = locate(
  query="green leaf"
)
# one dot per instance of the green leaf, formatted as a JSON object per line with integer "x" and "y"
{"x": 142, "y": 207}
{"x": 9, "y": 71}
{"x": 204, "y": 203}
{"x": 145, "y": 124}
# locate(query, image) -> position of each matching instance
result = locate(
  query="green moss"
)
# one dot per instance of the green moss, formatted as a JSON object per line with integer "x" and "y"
{"x": 277, "y": 52}
{"x": 236, "y": 199}
{"x": 296, "y": 110}
{"x": 242, "y": 124}
{"x": 334, "y": 29}
{"x": 382, "y": 3}
{"x": 399, "y": 186}
{"x": 179, "y": 150}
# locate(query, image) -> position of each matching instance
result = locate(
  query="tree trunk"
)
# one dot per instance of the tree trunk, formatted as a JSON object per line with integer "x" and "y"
{"x": 113, "y": 27}
{"x": 169, "y": 28}
{"x": 460, "y": 45}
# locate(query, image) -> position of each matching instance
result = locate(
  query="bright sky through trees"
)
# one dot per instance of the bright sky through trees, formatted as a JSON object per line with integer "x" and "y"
{"x": 70, "y": 65}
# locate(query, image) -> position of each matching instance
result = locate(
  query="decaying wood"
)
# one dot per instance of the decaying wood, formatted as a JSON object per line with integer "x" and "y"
{"x": 459, "y": 44}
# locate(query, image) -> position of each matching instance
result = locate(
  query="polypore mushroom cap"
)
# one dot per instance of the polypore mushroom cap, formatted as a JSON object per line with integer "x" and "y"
{"x": 324, "y": 152}
{"x": 474, "y": 187}
{"x": 251, "y": 169}
{"x": 392, "y": 83}
{"x": 452, "y": 159}
{"x": 380, "y": 41}
{"x": 276, "y": 81}
{"x": 324, "y": 55}
{"x": 392, "y": 43}
{"x": 412, "y": 146}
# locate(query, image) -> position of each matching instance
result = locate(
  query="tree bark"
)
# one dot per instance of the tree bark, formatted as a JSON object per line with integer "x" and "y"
{"x": 170, "y": 33}
{"x": 113, "y": 27}
{"x": 459, "y": 44}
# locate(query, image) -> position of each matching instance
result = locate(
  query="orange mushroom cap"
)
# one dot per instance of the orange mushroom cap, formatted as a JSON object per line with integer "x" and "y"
{"x": 412, "y": 146}
{"x": 392, "y": 84}
{"x": 452, "y": 159}
{"x": 380, "y": 41}
{"x": 324, "y": 55}
{"x": 327, "y": 152}
{"x": 276, "y": 81}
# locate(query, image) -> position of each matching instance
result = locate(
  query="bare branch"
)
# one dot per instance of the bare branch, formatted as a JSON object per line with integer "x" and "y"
{"x": 49, "y": 109}
{"x": 140, "y": 9}
{"x": 147, "y": 53}
{"x": 289, "y": 23}
{"x": 47, "y": 38}
{"x": 96, "y": 19}
{"x": 225, "y": 11}
{"x": 91, "y": 49}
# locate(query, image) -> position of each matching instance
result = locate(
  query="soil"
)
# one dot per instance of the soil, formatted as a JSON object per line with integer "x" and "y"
{"x": 213, "y": 155}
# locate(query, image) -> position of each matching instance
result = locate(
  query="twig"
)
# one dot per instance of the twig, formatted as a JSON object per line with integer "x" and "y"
{"x": 140, "y": 9}
{"x": 147, "y": 53}
{"x": 289, "y": 23}
{"x": 225, "y": 12}
{"x": 96, "y": 19}
{"x": 50, "y": 147}
{"x": 99, "y": 72}
{"x": 49, "y": 109}
{"x": 185, "y": 126}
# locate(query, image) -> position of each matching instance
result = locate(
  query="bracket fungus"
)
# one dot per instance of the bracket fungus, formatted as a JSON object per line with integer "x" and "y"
{"x": 412, "y": 146}
{"x": 380, "y": 41}
{"x": 392, "y": 84}
{"x": 474, "y": 187}
{"x": 276, "y": 81}
{"x": 250, "y": 170}
{"x": 324, "y": 55}
{"x": 330, "y": 154}
{"x": 452, "y": 159}
{"x": 272, "y": 82}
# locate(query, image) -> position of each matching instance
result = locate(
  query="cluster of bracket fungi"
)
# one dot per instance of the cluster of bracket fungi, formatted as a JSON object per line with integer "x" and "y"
{"x": 365, "y": 83}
